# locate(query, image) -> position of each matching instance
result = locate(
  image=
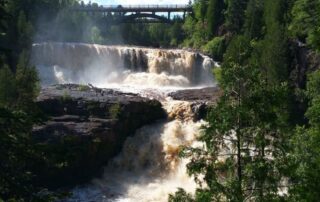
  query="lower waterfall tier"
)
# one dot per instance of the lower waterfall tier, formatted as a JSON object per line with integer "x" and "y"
{"x": 149, "y": 167}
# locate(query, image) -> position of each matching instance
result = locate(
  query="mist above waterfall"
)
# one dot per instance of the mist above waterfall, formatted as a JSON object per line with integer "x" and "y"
{"x": 109, "y": 66}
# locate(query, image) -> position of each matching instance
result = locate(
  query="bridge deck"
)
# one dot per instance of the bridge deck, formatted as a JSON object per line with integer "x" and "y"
{"x": 136, "y": 8}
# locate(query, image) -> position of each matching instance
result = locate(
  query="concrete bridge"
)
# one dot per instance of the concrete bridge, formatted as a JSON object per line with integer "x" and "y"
{"x": 137, "y": 13}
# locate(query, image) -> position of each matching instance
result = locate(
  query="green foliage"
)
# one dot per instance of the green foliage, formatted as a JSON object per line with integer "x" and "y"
{"x": 153, "y": 34}
{"x": 65, "y": 96}
{"x": 313, "y": 38}
{"x": 196, "y": 33}
{"x": 72, "y": 27}
{"x": 246, "y": 136}
{"x": 25, "y": 30}
{"x": 27, "y": 82}
{"x": 215, "y": 48}
{"x": 217, "y": 72}
{"x": 96, "y": 36}
{"x": 214, "y": 16}
{"x": 14, "y": 154}
{"x": 201, "y": 9}
{"x": 254, "y": 19}
{"x": 306, "y": 151}
{"x": 274, "y": 59}
{"x": 83, "y": 87}
{"x": 176, "y": 34}
{"x": 7, "y": 87}
{"x": 18, "y": 89}
{"x": 306, "y": 22}
{"x": 180, "y": 196}
{"x": 18, "y": 155}
{"x": 115, "y": 111}
{"x": 235, "y": 14}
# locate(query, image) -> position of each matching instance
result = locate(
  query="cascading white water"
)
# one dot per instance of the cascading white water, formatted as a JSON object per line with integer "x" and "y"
{"x": 110, "y": 66}
{"x": 148, "y": 168}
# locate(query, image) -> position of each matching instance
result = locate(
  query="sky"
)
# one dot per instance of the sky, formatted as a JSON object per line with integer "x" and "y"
{"x": 131, "y": 2}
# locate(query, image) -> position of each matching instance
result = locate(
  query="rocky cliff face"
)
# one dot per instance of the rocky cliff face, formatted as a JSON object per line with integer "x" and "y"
{"x": 304, "y": 62}
{"x": 86, "y": 127}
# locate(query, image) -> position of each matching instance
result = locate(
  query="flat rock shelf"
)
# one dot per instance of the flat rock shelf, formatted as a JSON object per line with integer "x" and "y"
{"x": 85, "y": 127}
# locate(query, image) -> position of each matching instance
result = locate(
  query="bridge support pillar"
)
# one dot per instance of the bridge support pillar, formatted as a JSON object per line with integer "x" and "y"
{"x": 169, "y": 15}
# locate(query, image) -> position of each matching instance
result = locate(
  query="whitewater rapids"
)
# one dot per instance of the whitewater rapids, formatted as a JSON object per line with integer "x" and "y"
{"x": 148, "y": 168}
{"x": 114, "y": 66}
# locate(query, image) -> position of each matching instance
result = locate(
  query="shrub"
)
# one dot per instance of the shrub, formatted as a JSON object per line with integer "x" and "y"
{"x": 115, "y": 110}
{"x": 215, "y": 48}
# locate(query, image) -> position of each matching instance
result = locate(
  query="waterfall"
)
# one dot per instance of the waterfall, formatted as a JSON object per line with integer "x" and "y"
{"x": 107, "y": 66}
{"x": 149, "y": 167}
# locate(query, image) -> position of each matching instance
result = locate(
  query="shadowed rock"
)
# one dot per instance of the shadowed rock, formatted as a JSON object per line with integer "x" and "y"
{"x": 86, "y": 127}
{"x": 201, "y": 99}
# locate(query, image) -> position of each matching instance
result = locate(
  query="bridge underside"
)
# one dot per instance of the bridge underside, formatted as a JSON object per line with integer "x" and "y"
{"x": 143, "y": 18}
{"x": 138, "y": 14}
{"x": 140, "y": 18}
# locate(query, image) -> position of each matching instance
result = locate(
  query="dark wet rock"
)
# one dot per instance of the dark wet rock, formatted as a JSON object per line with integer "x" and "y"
{"x": 201, "y": 99}
{"x": 200, "y": 109}
{"x": 210, "y": 94}
{"x": 304, "y": 61}
{"x": 86, "y": 127}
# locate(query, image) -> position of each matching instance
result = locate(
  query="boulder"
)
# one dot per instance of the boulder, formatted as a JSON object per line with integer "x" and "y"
{"x": 86, "y": 127}
{"x": 201, "y": 99}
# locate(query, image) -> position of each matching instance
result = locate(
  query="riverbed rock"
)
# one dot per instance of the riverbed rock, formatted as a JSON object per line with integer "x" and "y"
{"x": 209, "y": 94}
{"x": 86, "y": 127}
{"x": 201, "y": 99}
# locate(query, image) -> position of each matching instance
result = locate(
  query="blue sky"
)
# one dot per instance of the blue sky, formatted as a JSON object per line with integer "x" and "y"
{"x": 131, "y": 2}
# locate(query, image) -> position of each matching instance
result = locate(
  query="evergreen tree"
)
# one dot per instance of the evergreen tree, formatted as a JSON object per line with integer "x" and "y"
{"x": 254, "y": 19}
{"x": 274, "y": 59}
{"x": 7, "y": 87}
{"x": 176, "y": 34}
{"x": 15, "y": 153}
{"x": 96, "y": 36}
{"x": 25, "y": 31}
{"x": 203, "y": 5}
{"x": 305, "y": 180}
{"x": 235, "y": 14}
{"x": 245, "y": 140}
{"x": 306, "y": 22}
{"x": 26, "y": 82}
{"x": 214, "y": 16}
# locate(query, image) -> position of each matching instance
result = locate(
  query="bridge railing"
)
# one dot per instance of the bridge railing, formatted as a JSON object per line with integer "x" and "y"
{"x": 147, "y": 6}
{"x": 134, "y": 8}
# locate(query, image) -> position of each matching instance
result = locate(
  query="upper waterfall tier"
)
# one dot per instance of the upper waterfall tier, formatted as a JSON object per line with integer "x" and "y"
{"x": 90, "y": 63}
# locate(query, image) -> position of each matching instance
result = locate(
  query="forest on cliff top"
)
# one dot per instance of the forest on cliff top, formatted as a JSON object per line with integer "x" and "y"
{"x": 269, "y": 112}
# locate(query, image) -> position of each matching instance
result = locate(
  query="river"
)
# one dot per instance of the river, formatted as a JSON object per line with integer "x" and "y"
{"x": 148, "y": 168}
